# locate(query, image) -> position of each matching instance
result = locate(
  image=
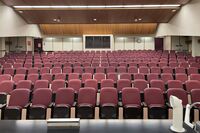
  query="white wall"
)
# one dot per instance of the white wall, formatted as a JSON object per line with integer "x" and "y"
{"x": 63, "y": 43}
{"x": 11, "y": 24}
{"x": 185, "y": 23}
{"x": 117, "y": 43}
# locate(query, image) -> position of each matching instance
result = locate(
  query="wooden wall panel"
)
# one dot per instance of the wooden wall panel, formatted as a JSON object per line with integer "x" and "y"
{"x": 80, "y": 29}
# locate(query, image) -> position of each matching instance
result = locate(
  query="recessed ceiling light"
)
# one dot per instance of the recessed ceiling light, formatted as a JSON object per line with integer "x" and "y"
{"x": 54, "y": 19}
{"x": 140, "y": 19}
{"x": 21, "y": 12}
{"x": 136, "y": 20}
{"x": 94, "y": 19}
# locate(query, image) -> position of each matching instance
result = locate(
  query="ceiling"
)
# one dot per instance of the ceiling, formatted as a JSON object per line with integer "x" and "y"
{"x": 115, "y": 29}
{"x": 81, "y": 17}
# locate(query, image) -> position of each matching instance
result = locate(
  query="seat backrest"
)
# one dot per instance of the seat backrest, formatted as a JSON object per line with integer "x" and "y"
{"x": 56, "y": 70}
{"x": 111, "y": 69}
{"x": 195, "y": 96}
{"x": 87, "y": 95}
{"x": 18, "y": 77}
{"x": 192, "y": 84}
{"x": 131, "y": 96}
{"x": 182, "y": 77}
{"x": 44, "y": 70}
{"x": 138, "y": 76}
{"x": 65, "y": 96}
{"x": 91, "y": 83}
{"x": 19, "y": 97}
{"x": 21, "y": 70}
{"x": 174, "y": 84}
{"x": 121, "y": 83}
{"x": 47, "y": 76}
{"x": 166, "y": 76}
{"x": 180, "y": 70}
{"x": 107, "y": 83}
{"x": 5, "y": 77}
{"x": 141, "y": 84}
{"x": 86, "y": 76}
{"x": 112, "y": 76}
{"x": 99, "y": 76}
{"x": 75, "y": 84}
{"x": 24, "y": 84}
{"x": 132, "y": 69}
{"x": 192, "y": 70}
{"x": 100, "y": 69}
{"x": 42, "y": 96}
{"x": 56, "y": 84}
{"x": 73, "y": 76}
{"x": 33, "y": 70}
{"x": 158, "y": 84}
{"x": 125, "y": 76}
{"x": 153, "y": 96}
{"x": 108, "y": 95}
{"x": 180, "y": 93}
{"x": 195, "y": 77}
{"x": 89, "y": 69}
{"x": 152, "y": 76}
{"x": 41, "y": 84}
{"x": 32, "y": 77}
{"x": 6, "y": 86}
{"x": 60, "y": 76}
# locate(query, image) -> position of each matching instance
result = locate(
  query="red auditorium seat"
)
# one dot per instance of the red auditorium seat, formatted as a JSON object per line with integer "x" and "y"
{"x": 56, "y": 70}
{"x": 64, "y": 100}
{"x": 91, "y": 83}
{"x": 107, "y": 83}
{"x": 174, "y": 84}
{"x": 33, "y": 77}
{"x": 44, "y": 70}
{"x": 56, "y": 84}
{"x": 18, "y": 77}
{"x": 154, "y": 99}
{"x": 125, "y": 76}
{"x": 86, "y": 103}
{"x": 5, "y": 77}
{"x": 89, "y": 69}
{"x": 25, "y": 84}
{"x": 40, "y": 102}
{"x": 33, "y": 70}
{"x": 9, "y": 71}
{"x": 180, "y": 70}
{"x": 182, "y": 77}
{"x": 192, "y": 70}
{"x": 152, "y": 76}
{"x": 41, "y": 84}
{"x": 195, "y": 77}
{"x": 108, "y": 103}
{"x": 166, "y": 76}
{"x": 112, "y": 76}
{"x": 18, "y": 100}
{"x": 192, "y": 84}
{"x": 99, "y": 77}
{"x": 75, "y": 84}
{"x": 132, "y": 108}
{"x": 141, "y": 84}
{"x": 122, "y": 83}
{"x": 158, "y": 84}
{"x": 73, "y": 76}
{"x": 47, "y": 76}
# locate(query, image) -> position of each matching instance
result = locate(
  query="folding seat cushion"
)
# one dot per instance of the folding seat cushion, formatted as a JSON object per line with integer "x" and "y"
{"x": 18, "y": 77}
{"x": 86, "y": 103}
{"x": 152, "y": 76}
{"x": 33, "y": 70}
{"x": 5, "y": 77}
{"x": 144, "y": 70}
{"x": 60, "y": 76}
{"x": 141, "y": 84}
{"x": 47, "y": 76}
{"x": 9, "y": 71}
{"x": 174, "y": 84}
{"x": 78, "y": 69}
{"x": 91, "y": 83}
{"x": 56, "y": 84}
{"x": 180, "y": 93}
{"x": 132, "y": 70}
{"x": 19, "y": 99}
{"x": 182, "y": 77}
{"x": 192, "y": 70}
{"x": 108, "y": 103}
{"x": 41, "y": 84}
{"x": 122, "y": 83}
{"x": 195, "y": 77}
{"x": 166, "y": 76}
{"x": 100, "y": 70}
{"x": 32, "y": 77}
{"x": 44, "y": 70}
{"x": 131, "y": 102}
{"x": 89, "y": 70}
{"x": 73, "y": 76}
{"x": 107, "y": 83}
{"x": 180, "y": 70}
{"x": 125, "y": 76}
{"x": 121, "y": 69}
{"x": 26, "y": 84}
{"x": 155, "y": 70}
{"x": 5, "y": 89}
{"x": 192, "y": 84}
{"x": 64, "y": 100}
{"x": 158, "y": 84}
{"x": 75, "y": 84}
{"x": 86, "y": 76}
{"x": 156, "y": 104}
{"x": 99, "y": 77}
{"x": 40, "y": 102}
{"x": 112, "y": 76}
{"x": 111, "y": 69}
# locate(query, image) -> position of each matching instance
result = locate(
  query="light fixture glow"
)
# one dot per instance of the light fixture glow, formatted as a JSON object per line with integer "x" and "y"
{"x": 101, "y": 7}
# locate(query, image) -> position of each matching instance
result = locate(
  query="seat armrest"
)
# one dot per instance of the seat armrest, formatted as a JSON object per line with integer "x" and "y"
{"x": 74, "y": 104}
{"x": 3, "y": 93}
{"x": 27, "y": 105}
{"x": 120, "y": 104}
{"x": 168, "y": 105}
{"x": 2, "y": 106}
{"x": 50, "y": 105}
{"x": 144, "y": 104}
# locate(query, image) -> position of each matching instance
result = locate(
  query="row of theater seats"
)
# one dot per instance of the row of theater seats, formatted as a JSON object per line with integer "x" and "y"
{"x": 33, "y": 82}
{"x": 92, "y": 70}
{"x": 86, "y": 107}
